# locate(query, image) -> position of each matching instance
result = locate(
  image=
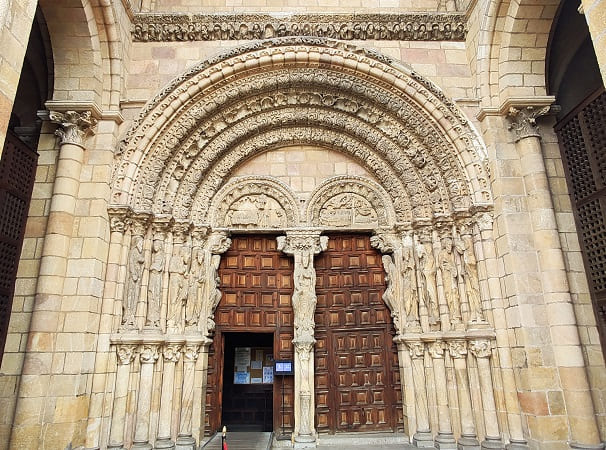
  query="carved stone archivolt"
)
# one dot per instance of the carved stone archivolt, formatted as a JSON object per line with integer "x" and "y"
{"x": 216, "y": 125}
{"x": 211, "y": 27}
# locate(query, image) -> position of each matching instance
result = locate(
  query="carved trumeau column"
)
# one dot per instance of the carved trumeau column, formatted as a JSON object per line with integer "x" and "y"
{"x": 561, "y": 319}
{"x": 457, "y": 350}
{"x": 445, "y": 437}
{"x": 422, "y": 436}
{"x": 303, "y": 245}
{"x": 126, "y": 355}
{"x": 148, "y": 355}
{"x": 171, "y": 353}
{"x": 185, "y": 440}
{"x": 482, "y": 350}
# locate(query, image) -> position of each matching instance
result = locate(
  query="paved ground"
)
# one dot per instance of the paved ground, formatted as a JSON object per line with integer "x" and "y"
{"x": 261, "y": 441}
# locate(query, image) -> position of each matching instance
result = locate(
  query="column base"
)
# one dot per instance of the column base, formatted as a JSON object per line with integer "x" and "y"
{"x": 185, "y": 443}
{"x": 587, "y": 446}
{"x": 517, "y": 444}
{"x": 468, "y": 443}
{"x": 142, "y": 446}
{"x": 422, "y": 439}
{"x": 445, "y": 440}
{"x": 492, "y": 443}
{"x": 119, "y": 446}
{"x": 305, "y": 441}
{"x": 164, "y": 444}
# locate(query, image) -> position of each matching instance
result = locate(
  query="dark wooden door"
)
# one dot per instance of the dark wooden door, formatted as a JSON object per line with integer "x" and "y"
{"x": 357, "y": 377}
{"x": 256, "y": 286}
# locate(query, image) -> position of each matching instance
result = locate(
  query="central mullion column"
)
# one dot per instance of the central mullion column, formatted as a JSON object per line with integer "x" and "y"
{"x": 303, "y": 245}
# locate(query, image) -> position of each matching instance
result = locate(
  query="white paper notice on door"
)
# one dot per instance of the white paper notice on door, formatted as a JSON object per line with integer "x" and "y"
{"x": 268, "y": 375}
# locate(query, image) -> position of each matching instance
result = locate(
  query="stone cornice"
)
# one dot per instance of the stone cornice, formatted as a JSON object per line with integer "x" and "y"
{"x": 69, "y": 105}
{"x": 516, "y": 102}
{"x": 148, "y": 27}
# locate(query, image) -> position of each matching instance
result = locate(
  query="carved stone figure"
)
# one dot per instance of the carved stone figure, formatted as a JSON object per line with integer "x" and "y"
{"x": 409, "y": 286}
{"x": 196, "y": 280}
{"x": 449, "y": 272}
{"x": 427, "y": 275}
{"x": 304, "y": 297}
{"x": 133, "y": 286}
{"x": 472, "y": 284}
{"x": 390, "y": 296}
{"x": 154, "y": 288}
{"x": 177, "y": 284}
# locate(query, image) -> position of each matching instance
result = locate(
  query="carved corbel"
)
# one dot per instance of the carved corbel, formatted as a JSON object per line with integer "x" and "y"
{"x": 74, "y": 126}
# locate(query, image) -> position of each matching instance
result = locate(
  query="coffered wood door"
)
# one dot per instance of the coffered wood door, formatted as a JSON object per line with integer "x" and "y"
{"x": 256, "y": 286}
{"x": 357, "y": 380}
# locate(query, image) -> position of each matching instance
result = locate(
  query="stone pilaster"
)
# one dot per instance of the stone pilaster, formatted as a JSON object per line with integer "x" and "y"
{"x": 149, "y": 355}
{"x": 303, "y": 245}
{"x": 560, "y": 314}
{"x": 126, "y": 355}
{"x": 445, "y": 437}
{"x": 481, "y": 349}
{"x": 171, "y": 353}
{"x": 457, "y": 349}
{"x": 422, "y": 436}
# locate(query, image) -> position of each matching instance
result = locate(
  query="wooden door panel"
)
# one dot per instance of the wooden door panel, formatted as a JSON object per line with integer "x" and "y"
{"x": 354, "y": 350}
{"x": 256, "y": 286}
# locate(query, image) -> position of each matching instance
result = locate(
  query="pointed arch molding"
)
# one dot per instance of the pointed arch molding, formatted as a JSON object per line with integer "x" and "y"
{"x": 187, "y": 141}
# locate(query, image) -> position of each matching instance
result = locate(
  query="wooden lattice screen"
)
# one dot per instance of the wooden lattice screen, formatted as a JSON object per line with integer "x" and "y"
{"x": 17, "y": 173}
{"x": 582, "y": 136}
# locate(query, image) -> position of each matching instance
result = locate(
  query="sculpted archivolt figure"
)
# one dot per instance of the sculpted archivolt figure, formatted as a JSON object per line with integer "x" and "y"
{"x": 177, "y": 285}
{"x": 133, "y": 287}
{"x": 154, "y": 289}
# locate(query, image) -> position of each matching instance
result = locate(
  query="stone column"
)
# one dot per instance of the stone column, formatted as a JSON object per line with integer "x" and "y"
{"x": 303, "y": 245}
{"x": 422, "y": 436}
{"x": 481, "y": 349}
{"x": 171, "y": 353}
{"x": 149, "y": 356}
{"x": 445, "y": 437}
{"x": 126, "y": 355}
{"x": 561, "y": 318}
{"x": 457, "y": 349}
{"x": 185, "y": 440}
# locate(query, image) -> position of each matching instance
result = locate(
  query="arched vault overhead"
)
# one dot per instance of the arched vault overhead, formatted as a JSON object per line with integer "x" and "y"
{"x": 189, "y": 139}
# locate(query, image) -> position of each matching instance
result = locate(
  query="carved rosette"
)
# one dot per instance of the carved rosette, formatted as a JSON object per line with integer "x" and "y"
{"x": 457, "y": 348}
{"x": 480, "y": 348}
{"x": 523, "y": 121}
{"x": 126, "y": 353}
{"x": 74, "y": 126}
{"x": 149, "y": 353}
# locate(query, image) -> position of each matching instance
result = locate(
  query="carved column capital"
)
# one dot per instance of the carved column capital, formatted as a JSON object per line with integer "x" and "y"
{"x": 303, "y": 346}
{"x": 171, "y": 352}
{"x": 74, "y": 126}
{"x": 457, "y": 348}
{"x": 219, "y": 242}
{"x": 139, "y": 223}
{"x": 436, "y": 349}
{"x": 523, "y": 120}
{"x": 180, "y": 231}
{"x": 118, "y": 219}
{"x": 384, "y": 241}
{"x": 480, "y": 348}
{"x": 191, "y": 351}
{"x": 416, "y": 349}
{"x": 149, "y": 353}
{"x": 126, "y": 353}
{"x": 302, "y": 241}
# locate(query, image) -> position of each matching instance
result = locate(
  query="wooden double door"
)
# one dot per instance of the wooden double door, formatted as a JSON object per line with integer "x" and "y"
{"x": 357, "y": 386}
{"x": 357, "y": 379}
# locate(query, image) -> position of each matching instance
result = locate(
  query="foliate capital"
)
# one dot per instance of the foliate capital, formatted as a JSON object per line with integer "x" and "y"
{"x": 480, "y": 348}
{"x": 171, "y": 352}
{"x": 302, "y": 241}
{"x": 457, "y": 348}
{"x": 149, "y": 353}
{"x": 126, "y": 353}
{"x": 523, "y": 120}
{"x": 74, "y": 126}
{"x": 416, "y": 348}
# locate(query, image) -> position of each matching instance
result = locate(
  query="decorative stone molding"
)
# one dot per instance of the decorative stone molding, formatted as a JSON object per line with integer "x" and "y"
{"x": 74, "y": 126}
{"x": 211, "y": 27}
